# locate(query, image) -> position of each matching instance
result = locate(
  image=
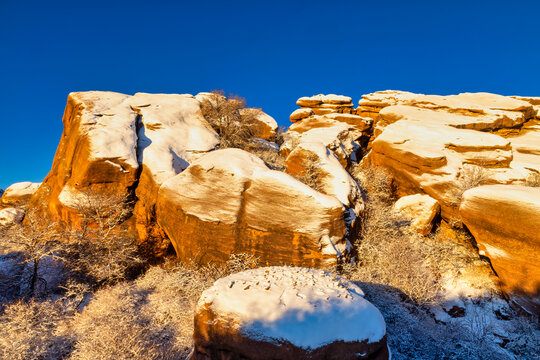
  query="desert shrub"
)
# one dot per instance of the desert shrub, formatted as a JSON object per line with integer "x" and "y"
{"x": 223, "y": 114}
{"x": 37, "y": 242}
{"x": 99, "y": 251}
{"x": 268, "y": 153}
{"x": 533, "y": 180}
{"x": 35, "y": 330}
{"x": 311, "y": 175}
{"x": 389, "y": 252}
{"x": 471, "y": 176}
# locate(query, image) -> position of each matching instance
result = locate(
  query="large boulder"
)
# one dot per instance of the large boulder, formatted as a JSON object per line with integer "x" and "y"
{"x": 229, "y": 202}
{"x": 287, "y": 313}
{"x": 420, "y": 209}
{"x": 261, "y": 124}
{"x": 505, "y": 222}
{"x": 123, "y": 146}
{"x": 18, "y": 194}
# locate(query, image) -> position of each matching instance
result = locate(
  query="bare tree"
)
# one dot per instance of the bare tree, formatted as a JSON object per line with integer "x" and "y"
{"x": 100, "y": 249}
{"x": 36, "y": 240}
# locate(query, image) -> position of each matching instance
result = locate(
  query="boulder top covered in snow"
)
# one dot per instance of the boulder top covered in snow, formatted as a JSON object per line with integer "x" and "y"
{"x": 303, "y": 310}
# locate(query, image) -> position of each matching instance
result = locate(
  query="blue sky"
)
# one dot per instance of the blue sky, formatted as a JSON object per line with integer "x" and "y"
{"x": 270, "y": 52}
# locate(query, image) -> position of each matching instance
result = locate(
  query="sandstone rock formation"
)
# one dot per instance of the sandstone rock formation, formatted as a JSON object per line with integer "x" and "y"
{"x": 332, "y": 120}
{"x": 420, "y": 209}
{"x": 430, "y": 143}
{"x": 125, "y": 146}
{"x": 320, "y": 168}
{"x": 505, "y": 222}
{"x": 10, "y": 216}
{"x": 229, "y": 202}
{"x": 287, "y": 313}
{"x": 18, "y": 194}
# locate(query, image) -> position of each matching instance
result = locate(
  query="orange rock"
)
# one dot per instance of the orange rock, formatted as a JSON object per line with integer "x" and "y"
{"x": 262, "y": 125}
{"x": 505, "y": 222}
{"x": 420, "y": 209}
{"x": 229, "y": 202}
{"x": 18, "y": 194}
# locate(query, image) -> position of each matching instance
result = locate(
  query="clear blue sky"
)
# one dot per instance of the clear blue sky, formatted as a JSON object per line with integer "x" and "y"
{"x": 270, "y": 52}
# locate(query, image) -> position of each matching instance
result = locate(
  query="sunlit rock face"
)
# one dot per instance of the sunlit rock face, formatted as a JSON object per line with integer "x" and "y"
{"x": 442, "y": 145}
{"x": 420, "y": 209}
{"x": 505, "y": 222}
{"x": 123, "y": 146}
{"x": 18, "y": 194}
{"x": 229, "y": 202}
{"x": 287, "y": 313}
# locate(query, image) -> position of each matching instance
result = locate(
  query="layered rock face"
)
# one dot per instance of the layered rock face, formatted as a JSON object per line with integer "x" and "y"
{"x": 505, "y": 221}
{"x": 287, "y": 313}
{"x": 331, "y": 120}
{"x": 18, "y": 194}
{"x": 432, "y": 144}
{"x": 124, "y": 146}
{"x": 229, "y": 202}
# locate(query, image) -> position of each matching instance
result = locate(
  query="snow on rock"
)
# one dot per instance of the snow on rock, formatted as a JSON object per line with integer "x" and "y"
{"x": 228, "y": 201}
{"x": 9, "y": 216}
{"x": 122, "y": 145}
{"x": 18, "y": 194}
{"x": 261, "y": 124}
{"x": 505, "y": 222}
{"x": 300, "y": 114}
{"x": 313, "y": 159}
{"x": 340, "y": 137}
{"x": 421, "y": 209}
{"x": 287, "y": 313}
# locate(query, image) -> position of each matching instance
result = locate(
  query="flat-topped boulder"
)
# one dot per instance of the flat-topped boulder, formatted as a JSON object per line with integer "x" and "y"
{"x": 287, "y": 313}
{"x": 322, "y": 100}
{"x": 228, "y": 201}
{"x": 18, "y": 194}
{"x": 505, "y": 222}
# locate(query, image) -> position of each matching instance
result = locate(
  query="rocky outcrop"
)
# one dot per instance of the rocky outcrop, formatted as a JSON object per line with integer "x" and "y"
{"x": 332, "y": 120}
{"x": 126, "y": 146}
{"x": 505, "y": 222}
{"x": 430, "y": 143}
{"x": 320, "y": 168}
{"x": 11, "y": 216}
{"x": 229, "y": 202}
{"x": 420, "y": 209}
{"x": 287, "y": 313}
{"x": 18, "y": 194}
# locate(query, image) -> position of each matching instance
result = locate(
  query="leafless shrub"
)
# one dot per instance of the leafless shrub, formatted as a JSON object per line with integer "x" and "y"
{"x": 35, "y": 330}
{"x": 36, "y": 240}
{"x": 471, "y": 176}
{"x": 388, "y": 251}
{"x": 223, "y": 114}
{"x": 311, "y": 174}
{"x": 100, "y": 250}
{"x": 533, "y": 180}
{"x": 267, "y": 153}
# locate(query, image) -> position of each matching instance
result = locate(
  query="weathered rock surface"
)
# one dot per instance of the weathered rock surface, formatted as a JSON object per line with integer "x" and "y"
{"x": 505, "y": 222}
{"x": 287, "y": 313}
{"x": 300, "y": 114}
{"x": 11, "y": 216}
{"x": 124, "y": 146}
{"x": 314, "y": 161}
{"x": 420, "y": 209}
{"x": 229, "y": 202}
{"x": 429, "y": 142}
{"x": 18, "y": 194}
{"x": 262, "y": 125}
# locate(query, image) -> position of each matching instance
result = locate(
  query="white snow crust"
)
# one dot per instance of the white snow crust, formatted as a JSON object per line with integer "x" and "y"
{"x": 307, "y": 307}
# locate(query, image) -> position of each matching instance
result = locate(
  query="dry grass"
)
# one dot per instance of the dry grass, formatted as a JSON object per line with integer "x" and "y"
{"x": 533, "y": 180}
{"x": 311, "y": 174}
{"x": 471, "y": 176}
